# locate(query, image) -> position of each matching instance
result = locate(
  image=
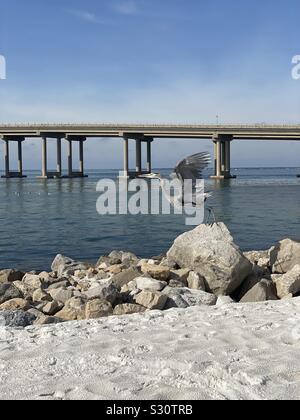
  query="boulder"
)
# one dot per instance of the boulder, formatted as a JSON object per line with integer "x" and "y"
{"x": 289, "y": 283}
{"x": 261, "y": 292}
{"x": 284, "y": 256}
{"x": 128, "y": 309}
{"x": 9, "y": 276}
{"x": 125, "y": 277}
{"x": 32, "y": 282}
{"x": 180, "y": 275}
{"x": 177, "y": 283}
{"x": 247, "y": 285}
{"x": 59, "y": 284}
{"x": 151, "y": 300}
{"x": 146, "y": 283}
{"x": 61, "y": 295}
{"x": 104, "y": 290}
{"x": 47, "y": 320}
{"x": 157, "y": 272}
{"x": 9, "y": 291}
{"x": 98, "y": 308}
{"x": 184, "y": 298}
{"x": 16, "y": 319}
{"x": 40, "y": 295}
{"x": 259, "y": 258}
{"x": 211, "y": 252}
{"x": 15, "y": 305}
{"x": 224, "y": 300}
{"x": 65, "y": 266}
{"x": 195, "y": 281}
{"x": 73, "y": 310}
{"x": 51, "y": 308}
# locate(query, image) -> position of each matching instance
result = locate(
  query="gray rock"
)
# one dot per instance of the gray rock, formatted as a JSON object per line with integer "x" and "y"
{"x": 184, "y": 297}
{"x": 289, "y": 283}
{"x": 104, "y": 290}
{"x": 177, "y": 284}
{"x": 65, "y": 266}
{"x": 224, "y": 300}
{"x": 145, "y": 283}
{"x": 284, "y": 256}
{"x": 247, "y": 285}
{"x": 32, "y": 282}
{"x": 59, "y": 284}
{"x": 9, "y": 276}
{"x": 151, "y": 300}
{"x": 261, "y": 292}
{"x": 16, "y": 319}
{"x": 51, "y": 308}
{"x": 181, "y": 275}
{"x": 9, "y": 291}
{"x": 61, "y": 295}
{"x": 98, "y": 308}
{"x": 211, "y": 252}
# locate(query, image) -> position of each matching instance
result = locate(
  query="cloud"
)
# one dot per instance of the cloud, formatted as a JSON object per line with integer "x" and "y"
{"x": 88, "y": 16}
{"x": 126, "y": 7}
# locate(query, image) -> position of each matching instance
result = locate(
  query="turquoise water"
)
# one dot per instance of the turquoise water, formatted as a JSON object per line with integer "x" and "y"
{"x": 42, "y": 218}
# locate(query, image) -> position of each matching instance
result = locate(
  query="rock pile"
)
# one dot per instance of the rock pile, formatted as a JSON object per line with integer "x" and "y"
{"x": 203, "y": 267}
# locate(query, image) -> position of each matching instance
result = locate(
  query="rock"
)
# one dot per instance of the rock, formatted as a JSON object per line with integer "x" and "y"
{"x": 9, "y": 276}
{"x": 73, "y": 310}
{"x": 61, "y": 295}
{"x": 224, "y": 300}
{"x": 180, "y": 275}
{"x": 59, "y": 284}
{"x": 177, "y": 284}
{"x": 47, "y": 320}
{"x": 105, "y": 290}
{"x": 128, "y": 309}
{"x": 261, "y": 292}
{"x": 184, "y": 297}
{"x": 157, "y": 272}
{"x": 65, "y": 266}
{"x": 120, "y": 280}
{"x": 284, "y": 256}
{"x": 98, "y": 308}
{"x": 51, "y": 308}
{"x": 151, "y": 300}
{"x": 289, "y": 283}
{"x": 195, "y": 281}
{"x": 15, "y": 305}
{"x": 247, "y": 285}
{"x": 115, "y": 269}
{"x": 211, "y": 252}
{"x": 9, "y": 291}
{"x": 260, "y": 258}
{"x": 40, "y": 295}
{"x": 16, "y": 319}
{"x": 145, "y": 283}
{"x": 32, "y": 282}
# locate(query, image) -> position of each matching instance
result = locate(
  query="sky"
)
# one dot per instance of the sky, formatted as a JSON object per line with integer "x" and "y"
{"x": 152, "y": 61}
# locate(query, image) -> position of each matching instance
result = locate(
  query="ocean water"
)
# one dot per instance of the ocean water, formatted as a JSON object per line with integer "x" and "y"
{"x": 39, "y": 219}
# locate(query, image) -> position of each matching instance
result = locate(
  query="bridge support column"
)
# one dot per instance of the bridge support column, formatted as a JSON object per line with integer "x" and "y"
{"x": 8, "y": 172}
{"x": 138, "y": 157}
{"x": 71, "y": 172}
{"x": 222, "y": 157}
{"x": 46, "y": 174}
{"x": 149, "y": 156}
{"x": 139, "y": 165}
{"x": 126, "y": 158}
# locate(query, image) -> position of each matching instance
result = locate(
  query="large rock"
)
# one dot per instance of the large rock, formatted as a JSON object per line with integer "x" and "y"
{"x": 125, "y": 277}
{"x": 128, "y": 309}
{"x": 16, "y": 319}
{"x": 260, "y": 258}
{"x": 9, "y": 276}
{"x": 184, "y": 298}
{"x": 32, "y": 282}
{"x": 61, "y": 295}
{"x": 9, "y": 291}
{"x": 51, "y": 308}
{"x": 195, "y": 281}
{"x": 157, "y": 272}
{"x": 211, "y": 252}
{"x": 98, "y": 308}
{"x": 151, "y": 300}
{"x": 104, "y": 290}
{"x": 146, "y": 283}
{"x": 15, "y": 305}
{"x": 73, "y": 310}
{"x": 261, "y": 292}
{"x": 284, "y": 256}
{"x": 65, "y": 266}
{"x": 181, "y": 276}
{"x": 288, "y": 283}
{"x": 40, "y": 295}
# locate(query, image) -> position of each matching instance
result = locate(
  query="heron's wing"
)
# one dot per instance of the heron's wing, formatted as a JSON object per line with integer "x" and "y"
{"x": 192, "y": 167}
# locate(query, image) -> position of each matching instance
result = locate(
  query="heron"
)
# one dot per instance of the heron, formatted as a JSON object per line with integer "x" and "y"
{"x": 188, "y": 169}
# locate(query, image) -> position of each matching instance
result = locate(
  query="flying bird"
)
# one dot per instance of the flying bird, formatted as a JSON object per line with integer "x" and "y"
{"x": 189, "y": 169}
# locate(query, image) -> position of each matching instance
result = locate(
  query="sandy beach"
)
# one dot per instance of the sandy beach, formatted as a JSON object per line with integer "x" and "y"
{"x": 232, "y": 352}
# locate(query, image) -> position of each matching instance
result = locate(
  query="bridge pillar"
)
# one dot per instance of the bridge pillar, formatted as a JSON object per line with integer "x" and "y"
{"x": 222, "y": 157}
{"x": 139, "y": 139}
{"x": 71, "y": 172}
{"x": 8, "y": 172}
{"x": 46, "y": 174}
{"x": 138, "y": 157}
{"x": 126, "y": 158}
{"x": 149, "y": 156}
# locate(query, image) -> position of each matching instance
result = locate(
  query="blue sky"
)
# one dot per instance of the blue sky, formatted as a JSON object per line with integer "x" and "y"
{"x": 150, "y": 61}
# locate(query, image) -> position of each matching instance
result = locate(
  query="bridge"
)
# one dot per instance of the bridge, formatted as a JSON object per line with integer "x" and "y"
{"x": 221, "y": 135}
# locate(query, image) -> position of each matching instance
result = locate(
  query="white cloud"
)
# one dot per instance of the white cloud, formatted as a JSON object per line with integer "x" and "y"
{"x": 88, "y": 16}
{"x": 127, "y": 7}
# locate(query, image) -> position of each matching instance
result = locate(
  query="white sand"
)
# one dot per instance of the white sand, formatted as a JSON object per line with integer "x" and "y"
{"x": 234, "y": 352}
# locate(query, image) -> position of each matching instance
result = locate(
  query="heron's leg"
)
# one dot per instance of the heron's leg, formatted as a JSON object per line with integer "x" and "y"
{"x": 212, "y": 213}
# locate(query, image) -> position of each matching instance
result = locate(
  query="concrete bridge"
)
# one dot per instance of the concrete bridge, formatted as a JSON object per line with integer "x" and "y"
{"x": 221, "y": 135}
